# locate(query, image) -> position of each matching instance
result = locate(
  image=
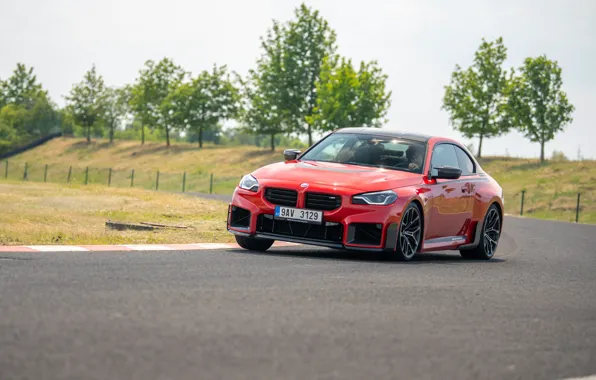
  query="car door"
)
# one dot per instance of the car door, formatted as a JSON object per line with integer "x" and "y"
{"x": 452, "y": 204}
{"x": 469, "y": 179}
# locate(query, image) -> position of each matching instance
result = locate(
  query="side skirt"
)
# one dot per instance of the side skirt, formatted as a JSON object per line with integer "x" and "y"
{"x": 448, "y": 242}
{"x": 477, "y": 235}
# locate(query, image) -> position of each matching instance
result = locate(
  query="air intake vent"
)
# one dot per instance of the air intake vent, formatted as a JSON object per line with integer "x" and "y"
{"x": 282, "y": 197}
{"x": 316, "y": 201}
{"x": 329, "y": 232}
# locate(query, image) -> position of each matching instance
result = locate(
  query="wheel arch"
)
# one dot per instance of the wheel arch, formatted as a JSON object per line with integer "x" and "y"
{"x": 392, "y": 230}
{"x": 500, "y": 209}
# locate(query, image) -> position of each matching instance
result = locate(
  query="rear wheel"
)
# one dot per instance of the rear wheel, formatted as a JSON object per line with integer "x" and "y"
{"x": 253, "y": 244}
{"x": 491, "y": 232}
{"x": 410, "y": 233}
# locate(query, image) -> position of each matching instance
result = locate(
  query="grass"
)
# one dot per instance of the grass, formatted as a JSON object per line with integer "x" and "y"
{"x": 227, "y": 164}
{"x": 551, "y": 188}
{"x": 40, "y": 213}
{"x": 125, "y": 155}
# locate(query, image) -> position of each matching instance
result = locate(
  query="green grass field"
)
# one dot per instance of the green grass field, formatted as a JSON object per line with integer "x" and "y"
{"x": 551, "y": 188}
{"x": 48, "y": 213}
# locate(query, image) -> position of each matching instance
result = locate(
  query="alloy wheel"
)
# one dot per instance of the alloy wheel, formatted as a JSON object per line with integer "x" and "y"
{"x": 492, "y": 231}
{"x": 410, "y": 231}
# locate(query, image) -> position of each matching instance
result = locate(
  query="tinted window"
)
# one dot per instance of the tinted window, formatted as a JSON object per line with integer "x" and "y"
{"x": 369, "y": 150}
{"x": 444, "y": 155}
{"x": 465, "y": 163}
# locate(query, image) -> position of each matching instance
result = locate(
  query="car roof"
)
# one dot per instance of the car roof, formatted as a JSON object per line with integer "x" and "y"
{"x": 387, "y": 132}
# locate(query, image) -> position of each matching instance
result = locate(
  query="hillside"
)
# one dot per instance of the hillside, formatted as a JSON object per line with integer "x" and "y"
{"x": 551, "y": 189}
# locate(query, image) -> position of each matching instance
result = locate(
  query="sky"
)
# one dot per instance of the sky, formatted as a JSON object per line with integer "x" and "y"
{"x": 417, "y": 43}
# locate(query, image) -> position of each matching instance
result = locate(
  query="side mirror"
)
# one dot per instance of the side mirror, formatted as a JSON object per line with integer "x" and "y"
{"x": 291, "y": 154}
{"x": 446, "y": 172}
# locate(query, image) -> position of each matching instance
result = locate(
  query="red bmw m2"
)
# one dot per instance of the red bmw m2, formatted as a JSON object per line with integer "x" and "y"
{"x": 398, "y": 194}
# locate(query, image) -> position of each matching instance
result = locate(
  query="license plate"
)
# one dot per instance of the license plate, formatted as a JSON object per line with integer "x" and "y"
{"x": 298, "y": 214}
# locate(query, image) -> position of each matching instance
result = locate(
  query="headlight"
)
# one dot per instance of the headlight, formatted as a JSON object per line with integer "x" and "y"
{"x": 249, "y": 182}
{"x": 378, "y": 198}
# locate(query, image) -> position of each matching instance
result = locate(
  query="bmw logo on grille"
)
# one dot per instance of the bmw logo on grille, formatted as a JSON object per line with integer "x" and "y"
{"x": 304, "y": 185}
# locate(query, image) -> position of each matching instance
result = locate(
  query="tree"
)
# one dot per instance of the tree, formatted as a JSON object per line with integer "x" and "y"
{"x": 155, "y": 83}
{"x": 42, "y": 117}
{"x": 31, "y": 112}
{"x": 266, "y": 93}
{"x": 350, "y": 98}
{"x": 475, "y": 98}
{"x": 7, "y": 135}
{"x": 86, "y": 102}
{"x": 21, "y": 88}
{"x": 141, "y": 98}
{"x": 307, "y": 41}
{"x": 13, "y": 116}
{"x": 2, "y": 95}
{"x": 203, "y": 102}
{"x": 537, "y": 105}
{"x": 115, "y": 107}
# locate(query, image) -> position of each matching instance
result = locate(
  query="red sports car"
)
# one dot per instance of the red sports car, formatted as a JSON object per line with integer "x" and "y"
{"x": 375, "y": 190}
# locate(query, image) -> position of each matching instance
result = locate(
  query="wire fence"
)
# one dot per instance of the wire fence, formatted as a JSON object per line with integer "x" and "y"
{"x": 573, "y": 205}
{"x": 142, "y": 179}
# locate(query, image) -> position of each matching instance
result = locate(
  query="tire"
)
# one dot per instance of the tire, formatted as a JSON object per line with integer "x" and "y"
{"x": 489, "y": 240}
{"x": 253, "y": 244}
{"x": 410, "y": 234}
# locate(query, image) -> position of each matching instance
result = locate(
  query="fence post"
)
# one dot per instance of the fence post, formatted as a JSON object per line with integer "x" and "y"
{"x": 132, "y": 178}
{"x": 157, "y": 181}
{"x": 25, "y": 174}
{"x": 211, "y": 184}
{"x": 69, "y": 174}
{"x": 109, "y": 177}
{"x": 577, "y": 209}
{"x": 6, "y": 169}
{"x": 45, "y": 173}
{"x": 521, "y": 211}
{"x": 86, "y": 175}
{"x": 184, "y": 182}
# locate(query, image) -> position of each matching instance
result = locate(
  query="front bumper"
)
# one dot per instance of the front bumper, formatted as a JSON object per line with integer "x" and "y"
{"x": 352, "y": 227}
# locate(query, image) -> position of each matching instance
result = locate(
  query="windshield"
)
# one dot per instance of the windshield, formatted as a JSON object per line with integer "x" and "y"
{"x": 369, "y": 150}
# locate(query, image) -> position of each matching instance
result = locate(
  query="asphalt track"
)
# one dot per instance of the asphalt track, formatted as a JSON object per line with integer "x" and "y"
{"x": 303, "y": 313}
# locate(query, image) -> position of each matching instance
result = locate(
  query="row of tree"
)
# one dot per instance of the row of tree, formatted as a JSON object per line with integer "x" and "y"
{"x": 298, "y": 87}
{"x": 486, "y": 100}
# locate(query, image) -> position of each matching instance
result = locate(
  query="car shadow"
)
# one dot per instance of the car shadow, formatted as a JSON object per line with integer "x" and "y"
{"x": 444, "y": 257}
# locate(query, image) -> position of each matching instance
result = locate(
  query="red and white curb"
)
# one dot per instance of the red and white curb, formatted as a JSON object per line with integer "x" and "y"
{"x": 128, "y": 247}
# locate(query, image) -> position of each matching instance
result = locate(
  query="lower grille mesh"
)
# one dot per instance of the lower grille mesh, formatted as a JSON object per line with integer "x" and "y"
{"x": 331, "y": 232}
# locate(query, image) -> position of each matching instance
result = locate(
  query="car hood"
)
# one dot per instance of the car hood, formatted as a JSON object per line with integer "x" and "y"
{"x": 337, "y": 175}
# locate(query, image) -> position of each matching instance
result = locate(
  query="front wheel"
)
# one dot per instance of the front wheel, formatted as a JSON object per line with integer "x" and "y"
{"x": 491, "y": 231}
{"x": 253, "y": 244}
{"x": 410, "y": 233}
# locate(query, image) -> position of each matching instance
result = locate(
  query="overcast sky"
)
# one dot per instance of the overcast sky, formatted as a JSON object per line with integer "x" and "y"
{"x": 417, "y": 43}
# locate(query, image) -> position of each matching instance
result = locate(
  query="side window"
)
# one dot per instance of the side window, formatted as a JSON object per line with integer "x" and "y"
{"x": 465, "y": 163}
{"x": 444, "y": 155}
